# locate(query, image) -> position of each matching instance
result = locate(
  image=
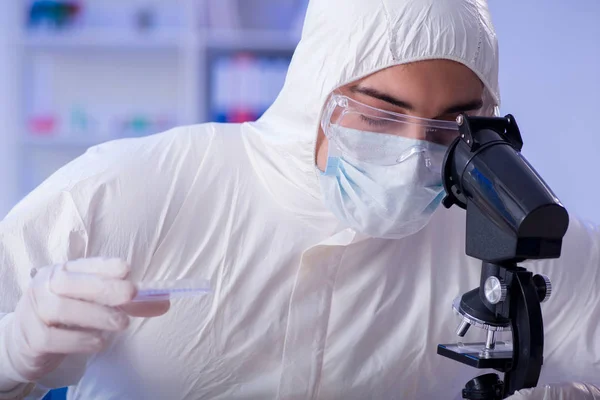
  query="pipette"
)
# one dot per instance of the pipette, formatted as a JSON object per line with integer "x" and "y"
{"x": 165, "y": 290}
{"x": 171, "y": 289}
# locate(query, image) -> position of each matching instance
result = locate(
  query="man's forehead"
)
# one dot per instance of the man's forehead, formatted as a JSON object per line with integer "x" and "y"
{"x": 434, "y": 68}
{"x": 418, "y": 92}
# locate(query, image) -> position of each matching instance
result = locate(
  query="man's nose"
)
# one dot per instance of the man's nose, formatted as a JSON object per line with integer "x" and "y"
{"x": 415, "y": 131}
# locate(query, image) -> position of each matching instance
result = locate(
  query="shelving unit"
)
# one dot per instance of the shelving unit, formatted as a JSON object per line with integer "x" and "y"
{"x": 102, "y": 38}
{"x": 249, "y": 40}
{"x": 82, "y": 86}
{"x": 58, "y": 143}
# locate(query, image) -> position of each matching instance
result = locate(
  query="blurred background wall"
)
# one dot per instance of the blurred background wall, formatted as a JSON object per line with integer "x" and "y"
{"x": 9, "y": 192}
{"x": 550, "y": 82}
{"x": 74, "y": 73}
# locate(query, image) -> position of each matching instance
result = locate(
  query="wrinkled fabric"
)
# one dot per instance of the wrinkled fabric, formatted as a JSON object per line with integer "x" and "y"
{"x": 301, "y": 308}
{"x": 563, "y": 391}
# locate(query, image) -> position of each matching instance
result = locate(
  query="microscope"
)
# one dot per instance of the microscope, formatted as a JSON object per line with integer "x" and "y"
{"x": 512, "y": 216}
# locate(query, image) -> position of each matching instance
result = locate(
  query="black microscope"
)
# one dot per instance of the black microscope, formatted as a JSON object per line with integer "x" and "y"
{"x": 512, "y": 216}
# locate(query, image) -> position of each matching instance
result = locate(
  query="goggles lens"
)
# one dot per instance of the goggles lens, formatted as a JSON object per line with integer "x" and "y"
{"x": 363, "y": 133}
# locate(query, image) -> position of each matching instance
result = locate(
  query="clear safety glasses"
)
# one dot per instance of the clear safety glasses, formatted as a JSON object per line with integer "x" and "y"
{"x": 367, "y": 134}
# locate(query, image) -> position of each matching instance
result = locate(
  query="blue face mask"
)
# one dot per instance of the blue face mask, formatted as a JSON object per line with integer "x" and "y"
{"x": 384, "y": 201}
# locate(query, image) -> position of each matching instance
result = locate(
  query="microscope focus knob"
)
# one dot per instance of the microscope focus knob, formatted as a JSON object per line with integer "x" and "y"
{"x": 544, "y": 287}
{"x": 495, "y": 290}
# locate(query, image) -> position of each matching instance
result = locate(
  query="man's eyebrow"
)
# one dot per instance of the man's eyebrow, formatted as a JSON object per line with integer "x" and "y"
{"x": 376, "y": 94}
{"x": 470, "y": 105}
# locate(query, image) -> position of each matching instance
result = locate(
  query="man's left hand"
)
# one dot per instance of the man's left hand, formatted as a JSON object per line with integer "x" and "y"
{"x": 563, "y": 391}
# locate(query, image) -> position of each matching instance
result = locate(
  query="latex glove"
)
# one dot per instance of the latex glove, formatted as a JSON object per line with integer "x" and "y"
{"x": 563, "y": 391}
{"x": 67, "y": 309}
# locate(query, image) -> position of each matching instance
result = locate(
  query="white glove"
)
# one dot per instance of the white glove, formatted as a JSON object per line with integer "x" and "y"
{"x": 563, "y": 391}
{"x": 66, "y": 310}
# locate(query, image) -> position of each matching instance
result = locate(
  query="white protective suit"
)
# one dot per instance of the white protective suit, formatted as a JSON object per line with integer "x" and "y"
{"x": 302, "y": 308}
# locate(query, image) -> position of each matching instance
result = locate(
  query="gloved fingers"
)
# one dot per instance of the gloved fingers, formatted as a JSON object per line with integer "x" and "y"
{"x": 147, "y": 309}
{"x": 559, "y": 391}
{"x": 68, "y": 341}
{"x": 106, "y": 267}
{"x": 88, "y": 287}
{"x": 61, "y": 311}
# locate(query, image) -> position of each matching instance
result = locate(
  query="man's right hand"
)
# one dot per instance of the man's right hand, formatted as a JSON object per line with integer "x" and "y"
{"x": 66, "y": 310}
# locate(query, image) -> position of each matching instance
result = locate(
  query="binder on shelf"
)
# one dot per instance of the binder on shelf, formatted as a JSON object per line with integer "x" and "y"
{"x": 242, "y": 84}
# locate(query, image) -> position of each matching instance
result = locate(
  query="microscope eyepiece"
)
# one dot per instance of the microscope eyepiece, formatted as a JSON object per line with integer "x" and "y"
{"x": 513, "y": 215}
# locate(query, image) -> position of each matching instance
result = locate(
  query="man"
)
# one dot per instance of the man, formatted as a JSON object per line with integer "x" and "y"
{"x": 332, "y": 265}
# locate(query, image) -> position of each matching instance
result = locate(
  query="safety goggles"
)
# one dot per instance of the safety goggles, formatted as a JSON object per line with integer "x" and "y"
{"x": 367, "y": 134}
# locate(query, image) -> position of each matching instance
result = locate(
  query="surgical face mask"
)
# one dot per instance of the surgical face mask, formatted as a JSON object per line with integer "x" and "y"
{"x": 383, "y": 184}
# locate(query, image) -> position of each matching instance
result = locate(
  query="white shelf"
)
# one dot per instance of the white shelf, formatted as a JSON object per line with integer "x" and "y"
{"x": 251, "y": 40}
{"x": 165, "y": 40}
{"x": 61, "y": 142}
{"x": 103, "y": 38}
